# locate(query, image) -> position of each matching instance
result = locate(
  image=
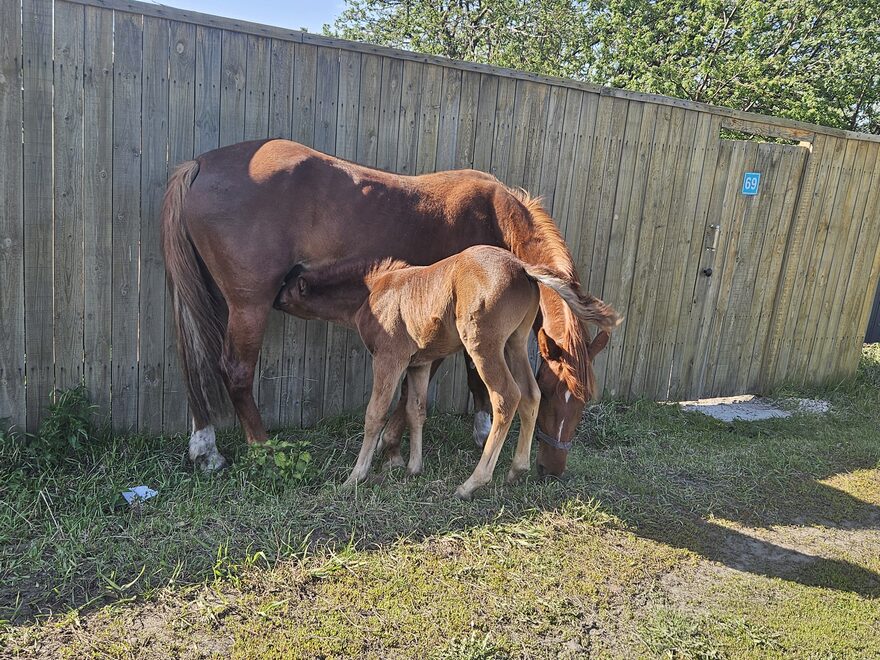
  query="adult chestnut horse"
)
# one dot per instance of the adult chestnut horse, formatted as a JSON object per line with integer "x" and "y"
{"x": 238, "y": 221}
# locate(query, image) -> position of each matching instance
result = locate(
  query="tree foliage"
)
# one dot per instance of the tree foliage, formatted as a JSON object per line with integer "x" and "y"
{"x": 813, "y": 60}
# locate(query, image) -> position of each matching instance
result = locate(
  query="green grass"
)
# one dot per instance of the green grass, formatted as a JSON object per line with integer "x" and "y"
{"x": 672, "y": 534}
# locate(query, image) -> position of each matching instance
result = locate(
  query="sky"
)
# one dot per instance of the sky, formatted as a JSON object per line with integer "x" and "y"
{"x": 293, "y": 14}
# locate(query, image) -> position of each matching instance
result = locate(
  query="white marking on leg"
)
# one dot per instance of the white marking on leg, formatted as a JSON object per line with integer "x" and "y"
{"x": 482, "y": 426}
{"x": 203, "y": 449}
{"x": 567, "y": 395}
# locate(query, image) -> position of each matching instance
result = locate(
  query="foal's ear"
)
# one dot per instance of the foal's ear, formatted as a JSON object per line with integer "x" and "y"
{"x": 548, "y": 348}
{"x": 302, "y": 286}
{"x": 599, "y": 342}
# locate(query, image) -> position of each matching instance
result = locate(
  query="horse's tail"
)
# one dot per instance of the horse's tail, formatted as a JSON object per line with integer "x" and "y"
{"x": 586, "y": 307}
{"x": 197, "y": 319}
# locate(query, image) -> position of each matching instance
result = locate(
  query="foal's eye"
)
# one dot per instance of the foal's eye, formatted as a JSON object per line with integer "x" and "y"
{"x": 302, "y": 286}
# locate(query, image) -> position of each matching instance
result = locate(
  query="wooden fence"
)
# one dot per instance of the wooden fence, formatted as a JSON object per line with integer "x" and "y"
{"x": 99, "y": 98}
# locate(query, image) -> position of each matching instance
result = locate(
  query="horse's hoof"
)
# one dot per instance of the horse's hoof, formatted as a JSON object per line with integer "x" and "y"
{"x": 482, "y": 427}
{"x": 514, "y": 475}
{"x": 414, "y": 472}
{"x": 212, "y": 463}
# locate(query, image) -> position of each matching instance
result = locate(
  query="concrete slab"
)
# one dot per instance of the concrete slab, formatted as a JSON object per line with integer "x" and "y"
{"x": 751, "y": 408}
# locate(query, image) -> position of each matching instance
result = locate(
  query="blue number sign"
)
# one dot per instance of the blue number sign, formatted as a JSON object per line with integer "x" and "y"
{"x": 750, "y": 183}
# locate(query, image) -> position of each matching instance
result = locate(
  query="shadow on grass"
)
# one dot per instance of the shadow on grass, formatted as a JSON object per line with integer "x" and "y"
{"x": 67, "y": 541}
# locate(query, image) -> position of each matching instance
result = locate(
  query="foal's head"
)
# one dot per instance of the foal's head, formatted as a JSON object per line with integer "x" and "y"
{"x": 334, "y": 292}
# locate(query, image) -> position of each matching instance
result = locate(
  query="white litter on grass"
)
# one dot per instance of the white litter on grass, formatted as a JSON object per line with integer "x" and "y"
{"x": 751, "y": 408}
{"x": 138, "y": 494}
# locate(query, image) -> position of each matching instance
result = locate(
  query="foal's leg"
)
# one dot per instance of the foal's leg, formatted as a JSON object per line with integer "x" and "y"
{"x": 416, "y": 411}
{"x": 504, "y": 396}
{"x": 393, "y": 432}
{"x": 530, "y": 399}
{"x": 386, "y": 375}
{"x": 482, "y": 405}
{"x": 241, "y": 348}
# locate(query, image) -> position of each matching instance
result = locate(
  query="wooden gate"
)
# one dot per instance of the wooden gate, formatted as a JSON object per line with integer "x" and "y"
{"x": 741, "y": 264}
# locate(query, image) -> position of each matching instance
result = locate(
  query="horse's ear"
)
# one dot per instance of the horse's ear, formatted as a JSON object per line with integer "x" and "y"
{"x": 599, "y": 342}
{"x": 548, "y": 348}
{"x": 302, "y": 286}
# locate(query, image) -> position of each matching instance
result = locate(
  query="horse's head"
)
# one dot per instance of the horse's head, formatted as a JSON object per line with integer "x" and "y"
{"x": 567, "y": 383}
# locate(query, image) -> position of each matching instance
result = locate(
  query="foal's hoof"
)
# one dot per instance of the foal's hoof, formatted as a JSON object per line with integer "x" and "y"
{"x": 463, "y": 495}
{"x": 394, "y": 462}
{"x": 414, "y": 471}
{"x": 514, "y": 475}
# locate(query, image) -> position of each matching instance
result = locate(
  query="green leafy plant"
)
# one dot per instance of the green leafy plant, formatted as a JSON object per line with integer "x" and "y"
{"x": 283, "y": 460}
{"x": 68, "y": 424}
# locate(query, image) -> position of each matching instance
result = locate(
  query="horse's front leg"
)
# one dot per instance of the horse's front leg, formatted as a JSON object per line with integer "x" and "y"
{"x": 482, "y": 404}
{"x": 386, "y": 375}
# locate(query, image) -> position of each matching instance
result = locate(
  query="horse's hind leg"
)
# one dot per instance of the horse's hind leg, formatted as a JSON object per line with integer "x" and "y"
{"x": 530, "y": 400}
{"x": 241, "y": 348}
{"x": 416, "y": 411}
{"x": 504, "y": 396}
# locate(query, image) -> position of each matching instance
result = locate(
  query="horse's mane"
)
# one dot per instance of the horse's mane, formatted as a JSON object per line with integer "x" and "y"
{"x": 545, "y": 246}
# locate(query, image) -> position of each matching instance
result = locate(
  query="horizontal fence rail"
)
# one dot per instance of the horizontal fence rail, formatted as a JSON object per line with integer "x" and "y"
{"x": 729, "y": 282}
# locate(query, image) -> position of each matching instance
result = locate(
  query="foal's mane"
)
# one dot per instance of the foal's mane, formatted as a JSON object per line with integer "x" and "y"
{"x": 544, "y": 246}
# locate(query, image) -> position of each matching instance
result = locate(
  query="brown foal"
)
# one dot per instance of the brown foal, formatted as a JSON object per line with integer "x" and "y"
{"x": 482, "y": 299}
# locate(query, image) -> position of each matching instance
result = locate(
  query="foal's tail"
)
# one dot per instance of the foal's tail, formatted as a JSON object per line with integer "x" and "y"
{"x": 198, "y": 322}
{"x": 586, "y": 307}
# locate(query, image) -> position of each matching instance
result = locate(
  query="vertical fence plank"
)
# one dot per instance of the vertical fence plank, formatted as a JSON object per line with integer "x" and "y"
{"x": 861, "y": 278}
{"x": 503, "y": 129}
{"x": 233, "y": 86}
{"x": 695, "y": 284}
{"x": 154, "y": 174}
{"x": 847, "y": 223}
{"x": 679, "y": 228}
{"x": 128, "y": 57}
{"x": 38, "y": 198}
{"x": 259, "y": 75}
{"x": 747, "y": 258}
{"x": 738, "y": 212}
{"x": 686, "y": 261}
{"x": 358, "y": 373}
{"x": 619, "y": 366}
{"x": 647, "y": 259}
{"x": 182, "y": 82}
{"x": 624, "y": 230}
{"x": 572, "y": 222}
{"x": 279, "y": 99}
{"x": 302, "y": 128}
{"x": 208, "y": 85}
{"x": 816, "y": 272}
{"x": 484, "y": 140}
{"x": 68, "y": 164}
{"x": 791, "y": 277}
{"x": 98, "y": 204}
{"x": 351, "y": 388}
{"x": 326, "y": 93}
{"x": 12, "y": 311}
{"x": 768, "y": 275}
